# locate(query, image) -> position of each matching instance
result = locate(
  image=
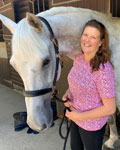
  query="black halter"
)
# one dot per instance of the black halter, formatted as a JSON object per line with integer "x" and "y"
{"x": 55, "y": 43}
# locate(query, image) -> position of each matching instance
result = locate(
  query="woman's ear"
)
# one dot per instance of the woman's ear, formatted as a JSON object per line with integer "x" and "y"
{"x": 101, "y": 42}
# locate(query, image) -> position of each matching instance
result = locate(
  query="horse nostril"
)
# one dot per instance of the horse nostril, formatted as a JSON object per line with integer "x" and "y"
{"x": 44, "y": 126}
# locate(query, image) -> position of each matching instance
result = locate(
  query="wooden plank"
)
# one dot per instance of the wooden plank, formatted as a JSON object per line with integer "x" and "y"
{"x": 62, "y": 2}
{"x": 77, "y": 3}
{"x": 19, "y": 3}
{"x": 115, "y": 8}
{"x": 8, "y": 11}
{"x": 15, "y": 82}
{"x": 6, "y": 8}
{"x": 118, "y": 8}
{"x": 102, "y": 6}
{"x": 16, "y": 79}
{"x": 3, "y": 52}
{"x": 95, "y": 4}
{"x": 22, "y": 10}
{"x": 8, "y": 47}
{"x": 4, "y": 70}
{"x": 107, "y": 7}
{"x": 4, "y": 2}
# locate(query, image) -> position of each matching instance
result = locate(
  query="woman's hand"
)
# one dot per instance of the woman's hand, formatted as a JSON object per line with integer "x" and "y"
{"x": 73, "y": 115}
{"x": 65, "y": 97}
{"x": 108, "y": 108}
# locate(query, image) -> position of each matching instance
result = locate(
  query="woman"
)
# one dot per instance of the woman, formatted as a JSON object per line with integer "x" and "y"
{"x": 91, "y": 89}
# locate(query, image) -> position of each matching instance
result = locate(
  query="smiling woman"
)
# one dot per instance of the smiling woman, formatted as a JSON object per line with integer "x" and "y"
{"x": 90, "y": 42}
{"x": 91, "y": 89}
{"x": 95, "y": 44}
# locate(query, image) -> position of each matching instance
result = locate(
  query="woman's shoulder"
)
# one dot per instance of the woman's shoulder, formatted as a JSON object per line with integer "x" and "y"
{"x": 106, "y": 66}
{"x": 78, "y": 57}
{"x": 106, "y": 69}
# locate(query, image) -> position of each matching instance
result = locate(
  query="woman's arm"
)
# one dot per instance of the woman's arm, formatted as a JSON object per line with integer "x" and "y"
{"x": 108, "y": 108}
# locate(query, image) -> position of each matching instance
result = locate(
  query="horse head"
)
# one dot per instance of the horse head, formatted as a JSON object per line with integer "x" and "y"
{"x": 33, "y": 57}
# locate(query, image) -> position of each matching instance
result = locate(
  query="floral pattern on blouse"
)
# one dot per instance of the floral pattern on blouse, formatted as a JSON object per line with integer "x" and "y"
{"x": 87, "y": 88}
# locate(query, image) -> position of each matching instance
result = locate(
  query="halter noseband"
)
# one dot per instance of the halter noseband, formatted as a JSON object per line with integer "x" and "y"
{"x": 55, "y": 43}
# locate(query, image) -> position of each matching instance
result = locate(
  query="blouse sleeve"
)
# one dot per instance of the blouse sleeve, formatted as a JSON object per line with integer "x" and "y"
{"x": 105, "y": 81}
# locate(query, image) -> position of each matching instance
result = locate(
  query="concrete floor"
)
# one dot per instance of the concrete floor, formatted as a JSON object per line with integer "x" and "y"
{"x": 11, "y": 102}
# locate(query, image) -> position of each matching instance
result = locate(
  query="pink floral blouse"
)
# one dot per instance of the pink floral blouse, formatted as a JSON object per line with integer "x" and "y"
{"x": 87, "y": 88}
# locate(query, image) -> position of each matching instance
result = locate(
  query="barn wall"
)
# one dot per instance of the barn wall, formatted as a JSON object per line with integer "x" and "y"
{"x": 102, "y": 5}
{"x": 5, "y": 75}
{"x": 115, "y": 8}
{"x": 4, "y": 66}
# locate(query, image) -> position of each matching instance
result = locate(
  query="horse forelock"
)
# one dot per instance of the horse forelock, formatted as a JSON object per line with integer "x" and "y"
{"x": 28, "y": 43}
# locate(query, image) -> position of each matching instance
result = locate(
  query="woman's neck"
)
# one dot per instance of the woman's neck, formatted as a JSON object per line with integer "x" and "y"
{"x": 88, "y": 57}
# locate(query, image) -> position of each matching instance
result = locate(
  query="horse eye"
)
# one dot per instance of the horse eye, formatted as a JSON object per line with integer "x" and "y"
{"x": 46, "y": 62}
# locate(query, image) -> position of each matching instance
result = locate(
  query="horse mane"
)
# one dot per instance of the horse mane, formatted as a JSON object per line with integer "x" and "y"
{"x": 22, "y": 39}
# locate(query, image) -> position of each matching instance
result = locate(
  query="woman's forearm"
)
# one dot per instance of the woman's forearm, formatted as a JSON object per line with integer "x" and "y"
{"x": 96, "y": 113}
{"x": 106, "y": 109}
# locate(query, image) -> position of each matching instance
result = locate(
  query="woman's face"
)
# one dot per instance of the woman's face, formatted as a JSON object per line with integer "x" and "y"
{"x": 90, "y": 40}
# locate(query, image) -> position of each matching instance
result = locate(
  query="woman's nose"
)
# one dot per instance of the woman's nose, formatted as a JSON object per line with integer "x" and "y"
{"x": 87, "y": 38}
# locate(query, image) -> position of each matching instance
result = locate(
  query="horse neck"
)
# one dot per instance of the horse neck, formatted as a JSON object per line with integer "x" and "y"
{"x": 67, "y": 31}
{"x": 67, "y": 27}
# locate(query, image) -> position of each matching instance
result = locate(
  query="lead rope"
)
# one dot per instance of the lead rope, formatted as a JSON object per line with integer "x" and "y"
{"x": 68, "y": 126}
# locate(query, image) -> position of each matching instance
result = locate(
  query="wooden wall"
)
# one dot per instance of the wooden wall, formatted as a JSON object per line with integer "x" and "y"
{"x": 4, "y": 64}
{"x": 99, "y": 5}
{"x": 5, "y": 73}
{"x": 115, "y": 8}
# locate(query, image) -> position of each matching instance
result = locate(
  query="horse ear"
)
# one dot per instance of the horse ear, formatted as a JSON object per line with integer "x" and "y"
{"x": 11, "y": 25}
{"x": 34, "y": 22}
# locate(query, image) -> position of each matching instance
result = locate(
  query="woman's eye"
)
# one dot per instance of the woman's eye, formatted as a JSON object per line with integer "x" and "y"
{"x": 46, "y": 62}
{"x": 85, "y": 35}
{"x": 93, "y": 37}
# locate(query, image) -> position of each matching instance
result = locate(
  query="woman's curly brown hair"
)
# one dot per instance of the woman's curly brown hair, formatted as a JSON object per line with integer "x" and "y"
{"x": 103, "y": 54}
